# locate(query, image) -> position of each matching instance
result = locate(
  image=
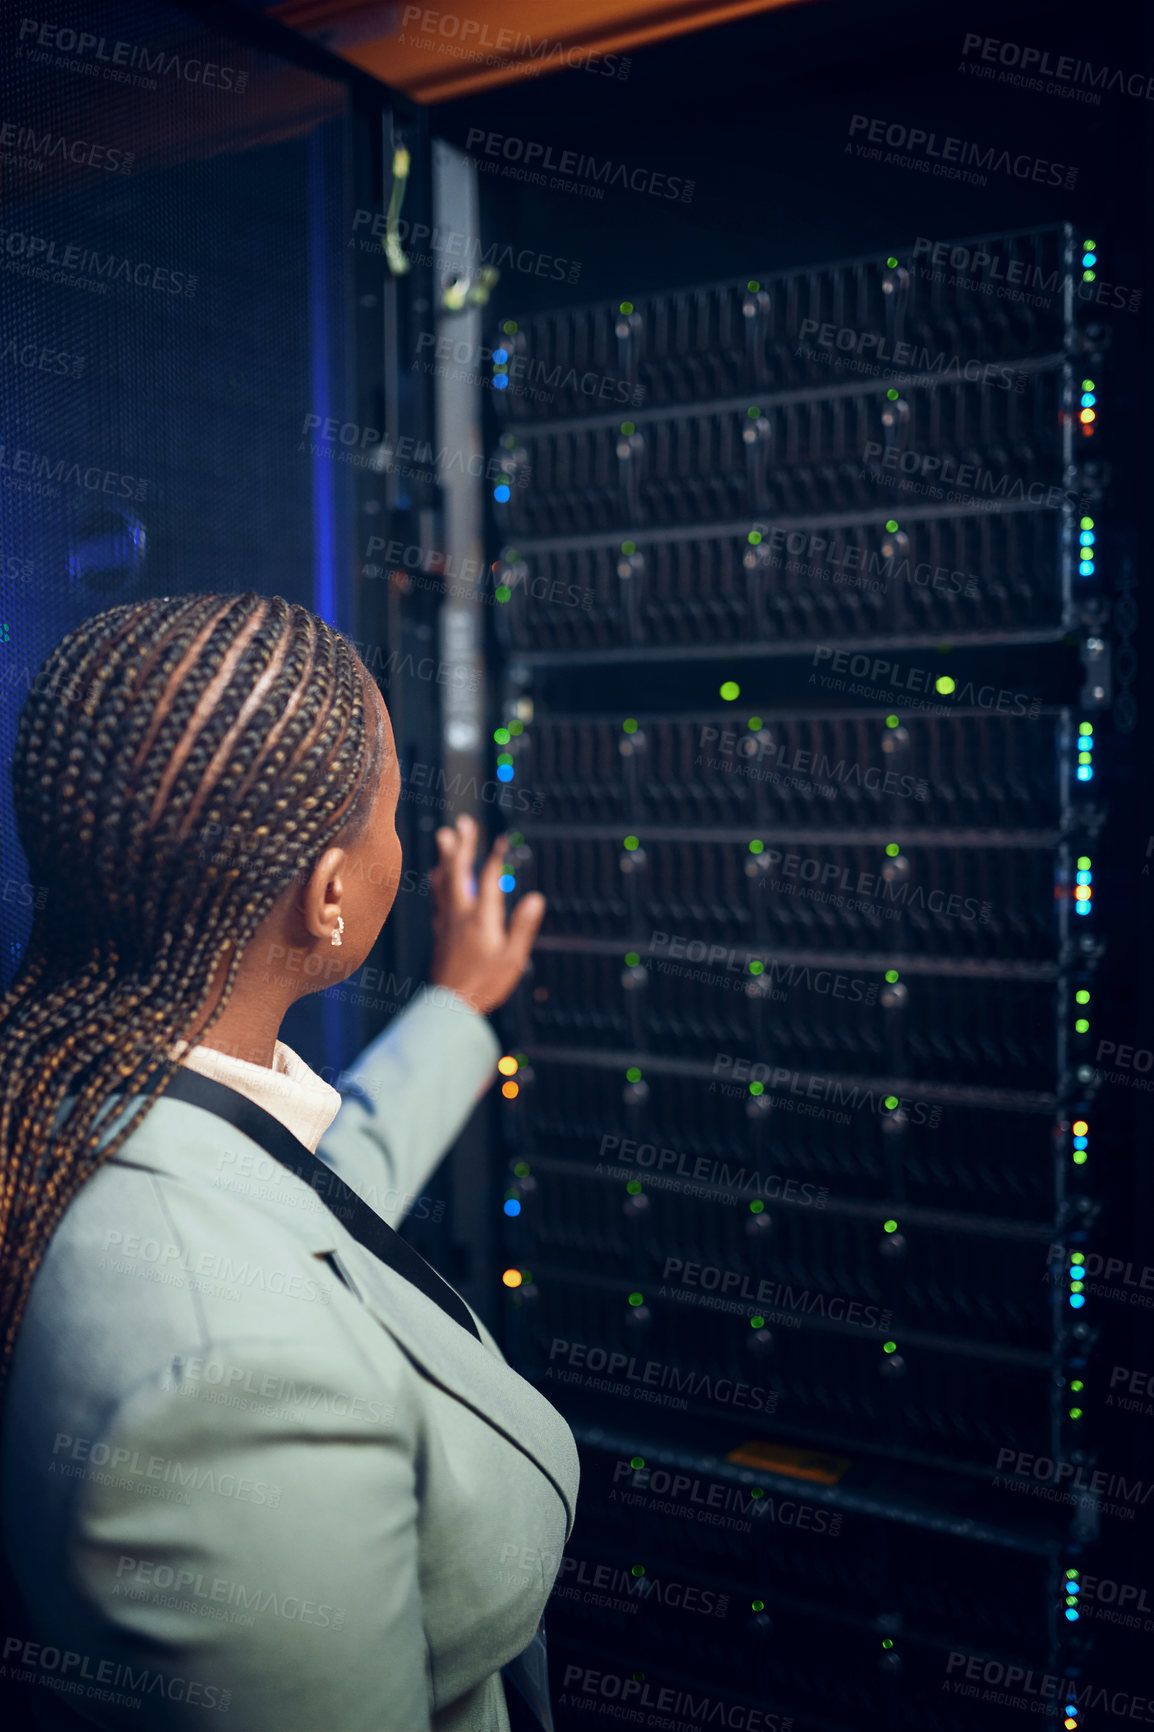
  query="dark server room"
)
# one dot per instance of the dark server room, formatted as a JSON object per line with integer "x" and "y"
{"x": 717, "y": 427}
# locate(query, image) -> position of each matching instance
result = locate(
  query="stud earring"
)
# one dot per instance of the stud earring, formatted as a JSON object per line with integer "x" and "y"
{"x": 337, "y": 938}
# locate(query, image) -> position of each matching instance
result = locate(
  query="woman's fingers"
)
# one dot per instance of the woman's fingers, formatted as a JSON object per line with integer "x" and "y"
{"x": 524, "y": 925}
{"x": 490, "y": 896}
{"x": 456, "y": 847}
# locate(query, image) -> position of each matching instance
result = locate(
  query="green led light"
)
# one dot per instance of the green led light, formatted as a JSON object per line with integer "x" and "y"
{"x": 890, "y": 1226}
{"x": 1083, "y": 862}
{"x": 638, "y": 1569}
{"x": 756, "y": 846}
{"x": 891, "y": 975}
{"x": 516, "y": 727}
{"x": 522, "y": 1169}
{"x": 1083, "y": 997}
{"x": 757, "y": 1322}
{"x": 887, "y": 1642}
{"x": 510, "y": 327}
{"x": 756, "y": 1207}
{"x": 891, "y": 264}
{"x": 627, "y": 427}
{"x": 1077, "y": 1256}
{"x": 1071, "y": 1599}
{"x": 1081, "y": 1026}
{"x": 1076, "y": 1286}
{"x": 504, "y": 757}
{"x": 892, "y": 524}
{"x": 893, "y": 848}
{"x": 501, "y": 735}
{"x": 757, "y": 1491}
{"x": 754, "y": 538}
{"x": 1077, "y": 1386}
{"x": 633, "y": 1074}
{"x": 757, "y": 1605}
{"x": 1085, "y": 727}
{"x": 629, "y": 547}
{"x": 890, "y": 1103}
{"x": 752, "y": 412}
{"x": 1071, "y": 1575}
{"x": 637, "y": 1298}
{"x": 753, "y": 287}
{"x": 889, "y": 1346}
{"x": 757, "y": 968}
{"x": 944, "y": 684}
{"x": 627, "y": 306}
{"x": 629, "y": 725}
{"x": 754, "y": 723}
{"x": 631, "y": 842}
{"x": 632, "y": 958}
{"x": 893, "y": 721}
{"x": 1089, "y": 276}
{"x": 1075, "y": 1413}
{"x": 634, "y": 1187}
{"x": 502, "y": 592}
{"x": 1080, "y": 1157}
{"x": 515, "y": 838}
{"x": 730, "y": 690}
{"x": 637, "y": 1461}
{"x": 892, "y": 395}
{"x": 1085, "y": 758}
{"x": 1087, "y": 522}
{"x": 756, "y": 1088}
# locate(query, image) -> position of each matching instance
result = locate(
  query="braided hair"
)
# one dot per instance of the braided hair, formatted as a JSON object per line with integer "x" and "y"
{"x": 179, "y": 763}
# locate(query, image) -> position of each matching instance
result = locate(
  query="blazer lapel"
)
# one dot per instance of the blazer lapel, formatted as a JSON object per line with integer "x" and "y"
{"x": 449, "y": 1357}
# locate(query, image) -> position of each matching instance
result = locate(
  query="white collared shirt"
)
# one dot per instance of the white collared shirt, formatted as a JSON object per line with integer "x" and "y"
{"x": 289, "y": 1089}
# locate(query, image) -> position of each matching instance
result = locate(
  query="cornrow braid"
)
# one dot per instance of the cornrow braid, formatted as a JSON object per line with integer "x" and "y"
{"x": 179, "y": 763}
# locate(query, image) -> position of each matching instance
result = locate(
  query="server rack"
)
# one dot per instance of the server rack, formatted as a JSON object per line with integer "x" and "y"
{"x": 799, "y": 1100}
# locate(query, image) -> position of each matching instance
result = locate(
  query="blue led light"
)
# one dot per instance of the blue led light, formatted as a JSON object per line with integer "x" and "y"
{"x": 1072, "y": 1614}
{"x": 1081, "y": 908}
{"x": 1077, "y": 1300}
{"x": 1081, "y": 1142}
{"x": 501, "y": 382}
{"x": 512, "y": 1207}
{"x": 501, "y": 493}
{"x": 1085, "y": 773}
{"x": 1083, "y": 878}
{"x": 1073, "y": 1587}
{"x": 1089, "y": 258}
{"x": 1087, "y": 538}
{"x": 506, "y": 881}
{"x": 500, "y": 356}
{"x": 1086, "y": 569}
{"x": 1088, "y": 399}
{"x": 504, "y": 772}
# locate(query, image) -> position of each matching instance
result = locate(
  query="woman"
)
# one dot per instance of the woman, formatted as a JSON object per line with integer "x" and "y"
{"x": 257, "y": 1457}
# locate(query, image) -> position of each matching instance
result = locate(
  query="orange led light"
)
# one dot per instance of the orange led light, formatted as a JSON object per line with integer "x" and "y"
{"x": 1080, "y": 1127}
{"x": 1087, "y": 415}
{"x": 512, "y": 1277}
{"x": 507, "y": 1065}
{"x": 510, "y": 1090}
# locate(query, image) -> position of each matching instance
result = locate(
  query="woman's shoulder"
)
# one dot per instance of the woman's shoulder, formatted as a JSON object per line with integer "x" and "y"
{"x": 175, "y": 1245}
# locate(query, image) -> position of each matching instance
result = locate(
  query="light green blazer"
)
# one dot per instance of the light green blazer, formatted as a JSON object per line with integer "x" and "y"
{"x": 252, "y": 1477}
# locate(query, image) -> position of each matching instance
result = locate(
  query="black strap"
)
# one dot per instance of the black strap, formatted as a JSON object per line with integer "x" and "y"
{"x": 365, "y": 1225}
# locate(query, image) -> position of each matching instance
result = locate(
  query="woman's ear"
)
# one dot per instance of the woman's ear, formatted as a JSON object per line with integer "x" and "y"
{"x": 321, "y": 899}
